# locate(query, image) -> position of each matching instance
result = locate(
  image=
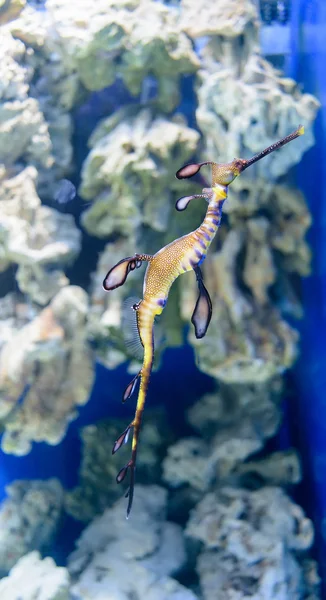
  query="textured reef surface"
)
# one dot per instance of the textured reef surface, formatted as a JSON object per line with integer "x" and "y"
{"x": 114, "y": 96}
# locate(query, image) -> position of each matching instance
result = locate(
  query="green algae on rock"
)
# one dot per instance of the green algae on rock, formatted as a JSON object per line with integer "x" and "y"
{"x": 130, "y": 166}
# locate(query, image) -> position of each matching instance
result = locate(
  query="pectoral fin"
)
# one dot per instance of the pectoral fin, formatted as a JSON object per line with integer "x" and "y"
{"x": 203, "y": 310}
{"x": 118, "y": 274}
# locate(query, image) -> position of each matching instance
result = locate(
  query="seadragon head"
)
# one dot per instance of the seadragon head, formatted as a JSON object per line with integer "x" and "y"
{"x": 224, "y": 173}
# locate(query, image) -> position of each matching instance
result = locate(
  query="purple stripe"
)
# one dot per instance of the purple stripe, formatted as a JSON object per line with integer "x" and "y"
{"x": 198, "y": 253}
{"x": 216, "y": 213}
{"x": 202, "y": 243}
{"x": 215, "y": 221}
{"x": 161, "y": 302}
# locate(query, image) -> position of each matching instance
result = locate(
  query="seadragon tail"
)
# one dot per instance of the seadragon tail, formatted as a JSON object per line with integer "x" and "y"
{"x": 135, "y": 425}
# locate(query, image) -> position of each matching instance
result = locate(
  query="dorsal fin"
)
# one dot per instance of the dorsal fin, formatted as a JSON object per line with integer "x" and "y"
{"x": 130, "y": 329}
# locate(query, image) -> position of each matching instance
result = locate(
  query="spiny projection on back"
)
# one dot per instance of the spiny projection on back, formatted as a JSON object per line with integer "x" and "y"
{"x": 184, "y": 254}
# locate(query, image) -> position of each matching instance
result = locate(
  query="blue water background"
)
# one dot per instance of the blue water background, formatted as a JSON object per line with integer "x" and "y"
{"x": 308, "y": 65}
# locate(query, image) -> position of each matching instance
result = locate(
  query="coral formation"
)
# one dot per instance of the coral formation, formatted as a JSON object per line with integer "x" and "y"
{"x": 130, "y": 171}
{"x": 41, "y": 240}
{"x": 29, "y": 519}
{"x": 35, "y": 579}
{"x": 126, "y": 558}
{"x": 253, "y": 544}
{"x": 259, "y": 90}
{"x": 235, "y": 422}
{"x": 279, "y": 468}
{"x": 24, "y": 133}
{"x": 10, "y": 9}
{"x": 228, "y": 18}
{"x": 46, "y": 370}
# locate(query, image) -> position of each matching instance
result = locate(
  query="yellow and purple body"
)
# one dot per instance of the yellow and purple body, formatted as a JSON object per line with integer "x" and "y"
{"x": 180, "y": 256}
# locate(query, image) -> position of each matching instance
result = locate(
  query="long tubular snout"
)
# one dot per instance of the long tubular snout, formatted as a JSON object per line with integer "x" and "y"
{"x": 244, "y": 164}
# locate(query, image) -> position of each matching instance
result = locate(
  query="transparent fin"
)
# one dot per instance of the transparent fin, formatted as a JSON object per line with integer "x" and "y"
{"x": 130, "y": 329}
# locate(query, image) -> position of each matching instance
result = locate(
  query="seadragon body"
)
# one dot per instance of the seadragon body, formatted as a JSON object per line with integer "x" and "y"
{"x": 180, "y": 256}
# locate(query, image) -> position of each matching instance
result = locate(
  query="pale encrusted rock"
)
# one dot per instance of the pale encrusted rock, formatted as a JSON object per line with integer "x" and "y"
{"x": 48, "y": 366}
{"x": 235, "y": 424}
{"x": 14, "y": 78}
{"x": 24, "y": 133}
{"x": 252, "y": 544}
{"x": 134, "y": 44}
{"x": 279, "y": 468}
{"x": 227, "y": 18}
{"x": 259, "y": 272}
{"x": 121, "y": 558}
{"x": 29, "y": 518}
{"x": 33, "y": 578}
{"x": 10, "y": 9}
{"x": 233, "y": 404}
{"x": 49, "y": 238}
{"x": 130, "y": 169}
{"x": 122, "y": 582}
{"x": 265, "y": 347}
{"x": 102, "y": 41}
{"x": 54, "y": 86}
{"x": 135, "y": 538}
{"x": 40, "y": 285}
{"x": 188, "y": 462}
{"x": 288, "y": 216}
{"x": 232, "y": 111}
{"x": 40, "y": 239}
{"x": 14, "y": 315}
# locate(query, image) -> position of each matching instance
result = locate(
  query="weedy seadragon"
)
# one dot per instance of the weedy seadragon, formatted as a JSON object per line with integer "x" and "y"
{"x": 184, "y": 254}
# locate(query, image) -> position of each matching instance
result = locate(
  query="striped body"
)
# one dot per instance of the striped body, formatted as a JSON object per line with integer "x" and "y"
{"x": 182, "y": 255}
{"x": 178, "y": 257}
